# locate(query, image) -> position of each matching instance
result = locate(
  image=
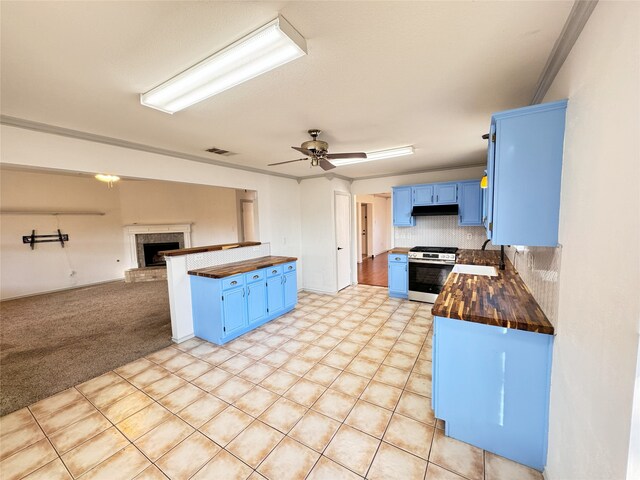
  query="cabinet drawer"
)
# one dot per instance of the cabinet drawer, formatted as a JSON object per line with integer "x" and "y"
{"x": 232, "y": 282}
{"x": 254, "y": 276}
{"x": 274, "y": 271}
{"x": 288, "y": 267}
{"x": 397, "y": 257}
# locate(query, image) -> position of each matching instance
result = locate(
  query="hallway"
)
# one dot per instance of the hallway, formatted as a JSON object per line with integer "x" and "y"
{"x": 373, "y": 271}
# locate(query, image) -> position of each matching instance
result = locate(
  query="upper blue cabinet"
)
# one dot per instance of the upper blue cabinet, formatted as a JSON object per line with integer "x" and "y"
{"x": 470, "y": 203}
{"x": 435, "y": 194}
{"x": 402, "y": 206}
{"x": 524, "y": 168}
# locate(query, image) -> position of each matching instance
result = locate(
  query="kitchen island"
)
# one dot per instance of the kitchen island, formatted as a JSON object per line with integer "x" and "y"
{"x": 231, "y": 299}
{"x": 492, "y": 347}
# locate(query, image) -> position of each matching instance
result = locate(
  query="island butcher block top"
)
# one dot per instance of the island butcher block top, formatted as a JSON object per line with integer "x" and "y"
{"x": 229, "y": 269}
{"x": 404, "y": 250}
{"x": 501, "y": 301}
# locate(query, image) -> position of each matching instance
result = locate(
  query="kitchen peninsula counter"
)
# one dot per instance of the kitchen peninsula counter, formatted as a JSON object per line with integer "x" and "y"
{"x": 404, "y": 250}
{"x": 229, "y": 269}
{"x": 502, "y": 301}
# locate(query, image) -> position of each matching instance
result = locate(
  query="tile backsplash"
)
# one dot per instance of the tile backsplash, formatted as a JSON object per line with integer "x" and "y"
{"x": 439, "y": 231}
{"x": 539, "y": 267}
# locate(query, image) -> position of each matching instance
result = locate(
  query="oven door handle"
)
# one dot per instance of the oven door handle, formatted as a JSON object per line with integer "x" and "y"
{"x": 433, "y": 262}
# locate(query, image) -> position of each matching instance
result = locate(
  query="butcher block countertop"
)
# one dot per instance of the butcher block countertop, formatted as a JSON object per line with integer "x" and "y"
{"x": 244, "y": 266}
{"x": 208, "y": 248}
{"x": 404, "y": 250}
{"x": 502, "y": 301}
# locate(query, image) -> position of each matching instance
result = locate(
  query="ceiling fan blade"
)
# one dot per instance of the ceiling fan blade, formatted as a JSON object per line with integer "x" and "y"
{"x": 337, "y": 156}
{"x": 288, "y": 161}
{"x": 304, "y": 151}
{"x": 326, "y": 164}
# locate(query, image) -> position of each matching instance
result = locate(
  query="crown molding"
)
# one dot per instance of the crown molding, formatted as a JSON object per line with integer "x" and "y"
{"x": 577, "y": 19}
{"x": 117, "y": 142}
{"x": 424, "y": 170}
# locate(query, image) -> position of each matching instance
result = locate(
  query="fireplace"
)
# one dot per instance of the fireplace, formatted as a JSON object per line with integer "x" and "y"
{"x": 159, "y": 238}
{"x": 149, "y": 244}
{"x": 151, "y": 250}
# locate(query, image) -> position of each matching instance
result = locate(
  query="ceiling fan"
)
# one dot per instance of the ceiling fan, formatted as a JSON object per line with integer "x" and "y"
{"x": 316, "y": 150}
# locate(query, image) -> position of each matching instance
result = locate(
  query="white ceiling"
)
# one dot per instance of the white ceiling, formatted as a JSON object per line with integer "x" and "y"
{"x": 377, "y": 75}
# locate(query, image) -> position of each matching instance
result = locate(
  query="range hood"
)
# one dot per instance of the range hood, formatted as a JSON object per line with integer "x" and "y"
{"x": 434, "y": 210}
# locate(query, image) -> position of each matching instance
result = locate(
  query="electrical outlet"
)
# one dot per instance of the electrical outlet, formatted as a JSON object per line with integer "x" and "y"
{"x": 72, "y": 273}
{"x": 198, "y": 256}
{"x": 469, "y": 236}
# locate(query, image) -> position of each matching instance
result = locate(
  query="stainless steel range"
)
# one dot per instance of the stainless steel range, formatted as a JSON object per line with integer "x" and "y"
{"x": 429, "y": 268}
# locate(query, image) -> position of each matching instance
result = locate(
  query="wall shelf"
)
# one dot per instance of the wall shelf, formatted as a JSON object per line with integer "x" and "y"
{"x": 8, "y": 211}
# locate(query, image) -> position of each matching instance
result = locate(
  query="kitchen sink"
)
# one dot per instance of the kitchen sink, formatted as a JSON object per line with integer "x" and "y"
{"x": 475, "y": 270}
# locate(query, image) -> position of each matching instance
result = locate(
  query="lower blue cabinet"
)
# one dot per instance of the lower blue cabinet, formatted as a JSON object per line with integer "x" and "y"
{"x": 491, "y": 387}
{"x": 290, "y": 289}
{"x": 398, "y": 275}
{"x": 275, "y": 293}
{"x": 224, "y": 309}
{"x": 256, "y": 301}
{"x": 234, "y": 315}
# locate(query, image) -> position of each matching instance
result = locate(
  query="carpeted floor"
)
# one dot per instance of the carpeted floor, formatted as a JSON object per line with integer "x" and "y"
{"x": 51, "y": 342}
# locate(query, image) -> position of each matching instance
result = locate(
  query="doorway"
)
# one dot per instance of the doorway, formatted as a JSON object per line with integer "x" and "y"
{"x": 374, "y": 231}
{"x": 248, "y": 221}
{"x": 365, "y": 230}
{"x": 343, "y": 242}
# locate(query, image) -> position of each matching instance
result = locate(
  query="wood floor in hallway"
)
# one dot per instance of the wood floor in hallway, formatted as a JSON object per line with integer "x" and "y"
{"x": 373, "y": 271}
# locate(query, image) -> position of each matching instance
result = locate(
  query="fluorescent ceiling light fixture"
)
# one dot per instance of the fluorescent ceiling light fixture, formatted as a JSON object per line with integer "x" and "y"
{"x": 378, "y": 155}
{"x": 272, "y": 45}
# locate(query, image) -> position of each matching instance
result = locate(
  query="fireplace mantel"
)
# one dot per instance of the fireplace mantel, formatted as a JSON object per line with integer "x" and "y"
{"x": 130, "y": 232}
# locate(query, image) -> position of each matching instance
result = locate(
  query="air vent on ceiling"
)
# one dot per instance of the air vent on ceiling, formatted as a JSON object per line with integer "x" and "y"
{"x": 219, "y": 151}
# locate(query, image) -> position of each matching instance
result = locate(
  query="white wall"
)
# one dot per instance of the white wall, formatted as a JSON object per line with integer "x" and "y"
{"x": 279, "y": 209}
{"x": 95, "y": 249}
{"x": 596, "y": 347}
{"x": 318, "y": 232}
{"x": 211, "y": 211}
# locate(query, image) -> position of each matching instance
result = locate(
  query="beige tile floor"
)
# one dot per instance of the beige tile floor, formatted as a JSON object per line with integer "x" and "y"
{"x": 339, "y": 388}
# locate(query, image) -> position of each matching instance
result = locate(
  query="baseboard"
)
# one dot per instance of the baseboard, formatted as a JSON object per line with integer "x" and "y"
{"x": 320, "y": 292}
{"x": 182, "y": 339}
{"x": 75, "y": 287}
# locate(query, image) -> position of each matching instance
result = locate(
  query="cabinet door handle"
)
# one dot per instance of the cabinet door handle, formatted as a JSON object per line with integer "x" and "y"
{"x": 233, "y": 283}
{"x": 436, "y": 198}
{"x": 243, "y": 292}
{"x": 281, "y": 280}
{"x": 248, "y": 291}
{"x": 285, "y": 279}
{"x": 432, "y": 198}
{"x": 256, "y": 276}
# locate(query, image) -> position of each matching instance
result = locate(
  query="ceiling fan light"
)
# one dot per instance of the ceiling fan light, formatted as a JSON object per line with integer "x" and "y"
{"x": 377, "y": 155}
{"x": 268, "y": 47}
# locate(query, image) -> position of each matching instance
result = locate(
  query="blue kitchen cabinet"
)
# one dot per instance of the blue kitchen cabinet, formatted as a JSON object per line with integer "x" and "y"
{"x": 290, "y": 289}
{"x": 256, "y": 297}
{"x": 491, "y": 387}
{"x": 398, "y": 275}
{"x": 234, "y": 313}
{"x": 470, "y": 203}
{"x": 445, "y": 193}
{"x": 275, "y": 294}
{"x": 402, "y": 206}
{"x": 422, "y": 194}
{"x": 225, "y": 308}
{"x": 524, "y": 168}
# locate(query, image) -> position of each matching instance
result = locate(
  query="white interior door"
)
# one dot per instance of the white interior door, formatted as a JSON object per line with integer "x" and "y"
{"x": 343, "y": 257}
{"x": 248, "y": 221}
{"x": 363, "y": 223}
